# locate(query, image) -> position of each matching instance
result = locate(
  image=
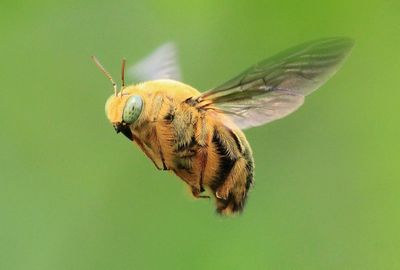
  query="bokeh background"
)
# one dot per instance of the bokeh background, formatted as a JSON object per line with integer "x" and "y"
{"x": 74, "y": 195}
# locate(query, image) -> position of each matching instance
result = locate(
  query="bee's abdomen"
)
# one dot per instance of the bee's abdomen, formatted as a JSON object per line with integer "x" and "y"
{"x": 233, "y": 174}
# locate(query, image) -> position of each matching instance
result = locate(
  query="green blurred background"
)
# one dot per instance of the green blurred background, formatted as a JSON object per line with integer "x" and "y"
{"x": 74, "y": 195}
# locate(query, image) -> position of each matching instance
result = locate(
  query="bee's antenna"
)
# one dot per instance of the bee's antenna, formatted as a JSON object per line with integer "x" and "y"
{"x": 105, "y": 72}
{"x": 123, "y": 74}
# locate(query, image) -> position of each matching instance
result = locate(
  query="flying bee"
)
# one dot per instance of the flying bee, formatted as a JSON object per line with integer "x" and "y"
{"x": 198, "y": 136}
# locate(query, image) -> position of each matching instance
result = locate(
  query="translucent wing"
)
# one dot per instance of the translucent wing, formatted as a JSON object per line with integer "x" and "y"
{"x": 276, "y": 87}
{"x": 160, "y": 64}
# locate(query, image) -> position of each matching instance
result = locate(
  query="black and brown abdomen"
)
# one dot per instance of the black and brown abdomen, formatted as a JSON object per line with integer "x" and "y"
{"x": 210, "y": 151}
{"x": 232, "y": 163}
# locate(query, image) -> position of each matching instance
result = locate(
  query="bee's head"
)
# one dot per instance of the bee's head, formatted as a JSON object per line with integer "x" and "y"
{"x": 122, "y": 109}
{"x": 123, "y": 112}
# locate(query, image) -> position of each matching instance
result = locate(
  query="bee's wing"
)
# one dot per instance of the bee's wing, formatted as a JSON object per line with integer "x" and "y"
{"x": 276, "y": 87}
{"x": 162, "y": 63}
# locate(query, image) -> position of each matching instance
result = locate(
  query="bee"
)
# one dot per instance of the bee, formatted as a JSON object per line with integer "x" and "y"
{"x": 198, "y": 135}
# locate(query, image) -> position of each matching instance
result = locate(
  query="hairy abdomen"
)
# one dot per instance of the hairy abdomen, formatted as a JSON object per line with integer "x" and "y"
{"x": 231, "y": 164}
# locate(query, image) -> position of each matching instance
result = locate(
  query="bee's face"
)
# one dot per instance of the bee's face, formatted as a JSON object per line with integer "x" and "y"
{"x": 123, "y": 111}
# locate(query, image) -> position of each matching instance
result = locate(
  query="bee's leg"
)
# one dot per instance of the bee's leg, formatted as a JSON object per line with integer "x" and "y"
{"x": 157, "y": 103}
{"x": 192, "y": 181}
{"x": 203, "y": 154}
{"x": 155, "y": 145}
{"x": 145, "y": 151}
{"x": 203, "y": 140}
{"x": 165, "y": 168}
{"x": 196, "y": 193}
{"x": 198, "y": 189}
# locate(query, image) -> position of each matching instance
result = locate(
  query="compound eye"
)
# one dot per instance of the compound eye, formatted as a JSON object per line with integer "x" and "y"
{"x": 132, "y": 109}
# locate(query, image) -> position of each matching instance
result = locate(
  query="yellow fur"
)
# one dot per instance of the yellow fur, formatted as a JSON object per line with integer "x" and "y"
{"x": 190, "y": 144}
